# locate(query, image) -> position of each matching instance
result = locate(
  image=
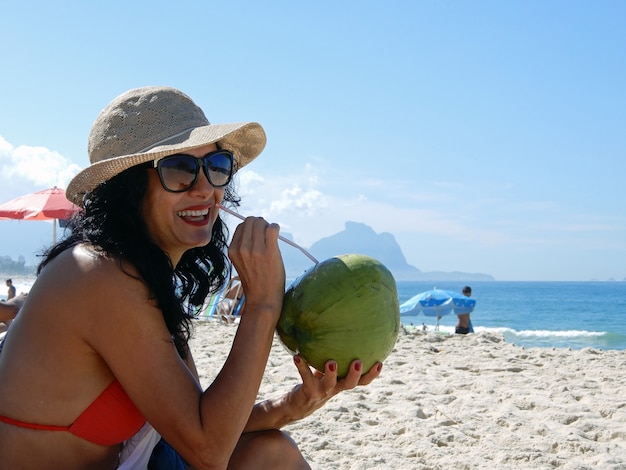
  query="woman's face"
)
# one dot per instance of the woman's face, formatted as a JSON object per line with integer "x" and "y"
{"x": 180, "y": 221}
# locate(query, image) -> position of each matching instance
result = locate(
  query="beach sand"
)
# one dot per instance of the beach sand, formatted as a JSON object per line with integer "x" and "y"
{"x": 457, "y": 402}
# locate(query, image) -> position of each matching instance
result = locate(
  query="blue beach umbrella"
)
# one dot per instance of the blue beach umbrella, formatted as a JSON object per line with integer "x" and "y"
{"x": 462, "y": 303}
{"x": 437, "y": 303}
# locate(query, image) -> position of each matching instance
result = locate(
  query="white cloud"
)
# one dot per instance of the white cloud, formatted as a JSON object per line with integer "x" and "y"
{"x": 295, "y": 199}
{"x": 275, "y": 195}
{"x": 37, "y": 167}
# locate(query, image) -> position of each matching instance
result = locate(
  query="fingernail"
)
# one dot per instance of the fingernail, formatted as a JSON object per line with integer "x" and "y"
{"x": 297, "y": 359}
{"x": 358, "y": 366}
{"x": 379, "y": 367}
{"x": 332, "y": 366}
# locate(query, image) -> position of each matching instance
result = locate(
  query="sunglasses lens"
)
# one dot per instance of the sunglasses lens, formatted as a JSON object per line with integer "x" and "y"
{"x": 219, "y": 167}
{"x": 178, "y": 172}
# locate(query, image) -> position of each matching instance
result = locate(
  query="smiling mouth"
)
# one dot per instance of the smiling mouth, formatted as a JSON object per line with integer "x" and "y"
{"x": 193, "y": 215}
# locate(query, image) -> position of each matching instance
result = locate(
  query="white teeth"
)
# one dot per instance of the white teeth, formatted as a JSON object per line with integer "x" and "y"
{"x": 187, "y": 213}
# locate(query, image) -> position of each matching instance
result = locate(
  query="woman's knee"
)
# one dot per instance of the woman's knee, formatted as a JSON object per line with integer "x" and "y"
{"x": 267, "y": 449}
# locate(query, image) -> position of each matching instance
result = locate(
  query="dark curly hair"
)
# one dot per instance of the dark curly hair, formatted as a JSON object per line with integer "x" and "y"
{"x": 112, "y": 221}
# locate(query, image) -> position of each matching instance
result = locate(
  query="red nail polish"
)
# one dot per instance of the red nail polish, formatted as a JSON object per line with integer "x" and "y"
{"x": 332, "y": 366}
{"x": 358, "y": 366}
{"x": 296, "y": 359}
{"x": 379, "y": 367}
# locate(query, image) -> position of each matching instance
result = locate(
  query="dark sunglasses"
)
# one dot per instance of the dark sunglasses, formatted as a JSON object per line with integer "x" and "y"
{"x": 179, "y": 173}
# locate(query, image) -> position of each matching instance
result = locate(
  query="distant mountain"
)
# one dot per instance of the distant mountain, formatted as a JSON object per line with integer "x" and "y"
{"x": 360, "y": 238}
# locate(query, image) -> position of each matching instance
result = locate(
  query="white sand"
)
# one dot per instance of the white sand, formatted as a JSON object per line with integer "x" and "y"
{"x": 457, "y": 402}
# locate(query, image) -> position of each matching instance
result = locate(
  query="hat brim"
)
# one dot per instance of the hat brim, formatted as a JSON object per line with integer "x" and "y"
{"x": 245, "y": 139}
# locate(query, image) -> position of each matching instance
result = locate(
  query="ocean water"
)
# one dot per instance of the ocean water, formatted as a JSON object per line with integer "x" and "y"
{"x": 538, "y": 314}
{"x": 532, "y": 314}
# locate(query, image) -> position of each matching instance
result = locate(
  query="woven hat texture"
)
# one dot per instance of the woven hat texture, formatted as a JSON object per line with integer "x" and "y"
{"x": 148, "y": 123}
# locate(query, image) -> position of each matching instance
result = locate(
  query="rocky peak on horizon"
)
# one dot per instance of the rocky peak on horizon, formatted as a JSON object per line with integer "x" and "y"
{"x": 360, "y": 238}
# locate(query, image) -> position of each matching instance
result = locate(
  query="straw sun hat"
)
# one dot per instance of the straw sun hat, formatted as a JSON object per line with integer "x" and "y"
{"x": 147, "y": 123}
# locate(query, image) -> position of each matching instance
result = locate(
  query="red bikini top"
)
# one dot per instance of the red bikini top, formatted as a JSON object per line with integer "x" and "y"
{"x": 111, "y": 419}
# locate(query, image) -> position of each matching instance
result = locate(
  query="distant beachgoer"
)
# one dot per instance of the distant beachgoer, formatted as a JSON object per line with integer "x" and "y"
{"x": 464, "y": 324}
{"x": 11, "y": 292}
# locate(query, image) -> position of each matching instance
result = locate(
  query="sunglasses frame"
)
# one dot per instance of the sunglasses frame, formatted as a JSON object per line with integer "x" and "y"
{"x": 202, "y": 165}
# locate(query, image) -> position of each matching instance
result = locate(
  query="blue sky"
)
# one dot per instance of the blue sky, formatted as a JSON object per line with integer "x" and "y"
{"x": 486, "y": 136}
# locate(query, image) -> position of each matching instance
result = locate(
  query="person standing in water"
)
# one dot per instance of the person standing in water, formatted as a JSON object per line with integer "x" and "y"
{"x": 464, "y": 324}
{"x": 11, "y": 291}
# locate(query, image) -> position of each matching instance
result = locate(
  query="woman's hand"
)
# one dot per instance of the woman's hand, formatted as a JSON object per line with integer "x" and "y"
{"x": 317, "y": 387}
{"x": 255, "y": 254}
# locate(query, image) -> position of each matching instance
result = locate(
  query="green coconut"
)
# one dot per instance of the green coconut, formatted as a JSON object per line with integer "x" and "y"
{"x": 343, "y": 308}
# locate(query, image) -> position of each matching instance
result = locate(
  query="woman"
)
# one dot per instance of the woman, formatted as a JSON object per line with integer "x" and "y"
{"x": 98, "y": 355}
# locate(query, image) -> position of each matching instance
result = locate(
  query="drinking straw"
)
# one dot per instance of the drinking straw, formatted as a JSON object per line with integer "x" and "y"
{"x": 280, "y": 237}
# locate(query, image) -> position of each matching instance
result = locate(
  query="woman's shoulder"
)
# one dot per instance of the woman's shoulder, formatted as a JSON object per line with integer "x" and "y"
{"x": 88, "y": 262}
{"x": 83, "y": 272}
{"x": 84, "y": 283}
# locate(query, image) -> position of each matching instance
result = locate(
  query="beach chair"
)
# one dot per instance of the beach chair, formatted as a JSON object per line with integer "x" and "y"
{"x": 209, "y": 307}
{"x": 231, "y": 303}
{"x": 239, "y": 305}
